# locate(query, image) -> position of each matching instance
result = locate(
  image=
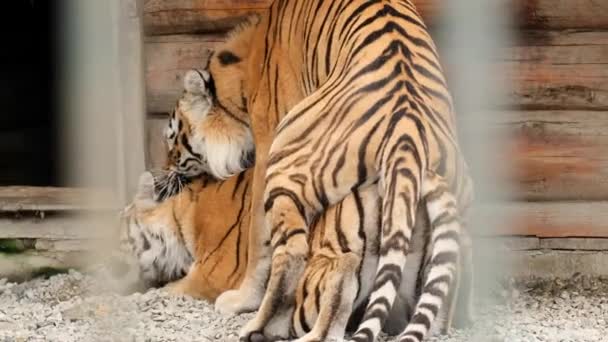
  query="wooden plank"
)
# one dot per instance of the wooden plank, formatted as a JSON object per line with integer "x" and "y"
{"x": 559, "y": 70}
{"x": 549, "y": 85}
{"x": 557, "y": 155}
{"x": 25, "y": 198}
{"x": 561, "y": 37}
{"x": 60, "y": 227}
{"x": 198, "y": 16}
{"x": 561, "y": 14}
{"x": 556, "y": 264}
{"x": 512, "y": 243}
{"x": 542, "y": 219}
{"x": 167, "y": 60}
{"x": 586, "y": 244}
{"x": 163, "y": 17}
{"x": 203, "y": 16}
{"x": 157, "y": 148}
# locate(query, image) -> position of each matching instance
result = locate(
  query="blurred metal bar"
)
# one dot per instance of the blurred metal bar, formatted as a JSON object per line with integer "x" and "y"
{"x": 103, "y": 95}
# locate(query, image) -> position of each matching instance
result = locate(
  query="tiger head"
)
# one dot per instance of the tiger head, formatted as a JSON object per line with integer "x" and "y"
{"x": 203, "y": 136}
{"x": 209, "y": 131}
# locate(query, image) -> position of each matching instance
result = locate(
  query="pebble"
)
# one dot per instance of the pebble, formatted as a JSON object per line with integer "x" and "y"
{"x": 77, "y": 307}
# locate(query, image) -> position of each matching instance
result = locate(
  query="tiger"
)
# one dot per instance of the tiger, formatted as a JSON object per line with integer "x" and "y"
{"x": 180, "y": 232}
{"x": 172, "y": 226}
{"x": 341, "y": 95}
{"x": 181, "y": 243}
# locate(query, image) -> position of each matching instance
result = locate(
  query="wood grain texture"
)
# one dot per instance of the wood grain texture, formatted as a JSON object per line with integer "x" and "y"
{"x": 561, "y": 14}
{"x": 33, "y": 198}
{"x": 543, "y": 219}
{"x": 197, "y": 16}
{"x": 167, "y": 60}
{"x": 559, "y": 69}
{"x": 60, "y": 227}
{"x": 579, "y": 244}
{"x": 557, "y": 155}
{"x": 555, "y": 264}
{"x": 203, "y": 16}
{"x": 162, "y": 17}
{"x": 549, "y": 70}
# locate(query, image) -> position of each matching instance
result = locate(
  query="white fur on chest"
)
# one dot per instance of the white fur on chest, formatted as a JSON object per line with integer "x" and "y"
{"x": 161, "y": 254}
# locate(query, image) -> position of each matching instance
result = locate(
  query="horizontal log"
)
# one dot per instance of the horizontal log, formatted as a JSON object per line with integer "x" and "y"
{"x": 561, "y": 14}
{"x": 163, "y": 17}
{"x": 542, "y": 219}
{"x": 579, "y": 244}
{"x": 103, "y": 226}
{"x": 557, "y": 155}
{"x": 562, "y": 37}
{"x": 197, "y": 16}
{"x": 561, "y": 70}
{"x": 551, "y": 264}
{"x": 558, "y": 69}
{"x": 546, "y": 85}
{"x": 511, "y": 243}
{"x": 33, "y": 198}
{"x": 167, "y": 60}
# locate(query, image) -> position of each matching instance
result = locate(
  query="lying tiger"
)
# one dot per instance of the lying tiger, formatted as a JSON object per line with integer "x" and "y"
{"x": 190, "y": 230}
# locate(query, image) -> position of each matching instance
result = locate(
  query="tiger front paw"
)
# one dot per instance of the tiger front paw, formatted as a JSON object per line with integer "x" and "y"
{"x": 177, "y": 288}
{"x": 145, "y": 196}
{"x": 234, "y": 302}
{"x": 253, "y": 332}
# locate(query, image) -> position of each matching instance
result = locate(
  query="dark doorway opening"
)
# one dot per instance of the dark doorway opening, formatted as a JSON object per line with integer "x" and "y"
{"x": 28, "y": 96}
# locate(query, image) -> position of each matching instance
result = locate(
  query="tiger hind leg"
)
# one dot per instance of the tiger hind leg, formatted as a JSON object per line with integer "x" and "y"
{"x": 442, "y": 280}
{"x": 464, "y": 301}
{"x": 413, "y": 275}
{"x": 399, "y": 183}
{"x": 289, "y": 242}
{"x": 145, "y": 196}
{"x": 336, "y": 298}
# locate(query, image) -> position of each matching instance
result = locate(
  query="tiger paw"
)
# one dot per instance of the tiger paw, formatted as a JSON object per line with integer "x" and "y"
{"x": 236, "y": 301}
{"x": 315, "y": 338}
{"x": 145, "y": 197}
{"x": 252, "y": 332}
{"x": 254, "y": 337}
{"x": 175, "y": 288}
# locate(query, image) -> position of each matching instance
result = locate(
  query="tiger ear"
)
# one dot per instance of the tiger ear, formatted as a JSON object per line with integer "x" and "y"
{"x": 196, "y": 81}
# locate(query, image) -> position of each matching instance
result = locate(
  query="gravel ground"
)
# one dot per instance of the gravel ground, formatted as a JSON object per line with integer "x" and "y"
{"x": 77, "y": 307}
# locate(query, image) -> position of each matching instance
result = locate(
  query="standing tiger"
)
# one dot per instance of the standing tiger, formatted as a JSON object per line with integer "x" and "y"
{"x": 340, "y": 95}
{"x": 196, "y": 228}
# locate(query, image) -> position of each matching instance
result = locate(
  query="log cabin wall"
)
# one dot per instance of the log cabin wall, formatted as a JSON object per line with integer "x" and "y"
{"x": 557, "y": 110}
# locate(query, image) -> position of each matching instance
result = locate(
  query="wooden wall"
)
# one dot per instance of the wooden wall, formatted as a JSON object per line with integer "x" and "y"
{"x": 556, "y": 112}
